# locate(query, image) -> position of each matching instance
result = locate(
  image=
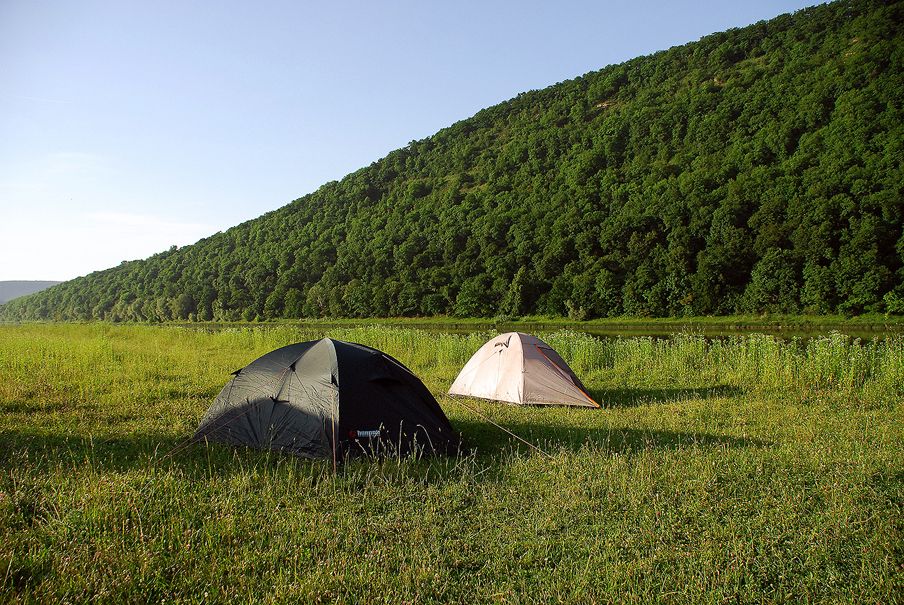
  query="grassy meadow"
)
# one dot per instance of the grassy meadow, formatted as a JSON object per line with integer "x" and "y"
{"x": 744, "y": 469}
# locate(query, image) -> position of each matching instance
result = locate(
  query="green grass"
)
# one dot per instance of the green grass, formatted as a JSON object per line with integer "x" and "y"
{"x": 741, "y": 469}
{"x": 800, "y": 325}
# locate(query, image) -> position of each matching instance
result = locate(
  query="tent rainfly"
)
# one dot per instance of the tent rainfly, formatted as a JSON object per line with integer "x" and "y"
{"x": 326, "y": 397}
{"x": 520, "y": 368}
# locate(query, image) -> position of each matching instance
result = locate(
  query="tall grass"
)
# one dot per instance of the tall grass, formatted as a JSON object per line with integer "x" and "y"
{"x": 754, "y": 362}
{"x": 743, "y": 469}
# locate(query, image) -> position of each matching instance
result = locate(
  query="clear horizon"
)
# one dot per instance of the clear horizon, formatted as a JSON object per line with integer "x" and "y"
{"x": 128, "y": 129}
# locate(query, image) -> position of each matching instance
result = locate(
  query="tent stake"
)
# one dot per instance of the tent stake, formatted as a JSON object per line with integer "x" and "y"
{"x": 333, "y": 422}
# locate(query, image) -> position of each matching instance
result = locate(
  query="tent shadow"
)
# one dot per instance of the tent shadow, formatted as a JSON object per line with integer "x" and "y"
{"x": 137, "y": 451}
{"x": 627, "y": 397}
{"x": 122, "y": 453}
{"x": 130, "y": 452}
{"x": 487, "y": 440}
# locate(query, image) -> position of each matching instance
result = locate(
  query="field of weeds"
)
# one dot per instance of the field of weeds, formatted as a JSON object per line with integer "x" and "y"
{"x": 739, "y": 469}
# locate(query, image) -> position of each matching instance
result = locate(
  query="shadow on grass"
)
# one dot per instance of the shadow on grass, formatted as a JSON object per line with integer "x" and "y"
{"x": 124, "y": 453}
{"x": 624, "y": 398}
{"x": 121, "y": 453}
{"x": 488, "y": 440}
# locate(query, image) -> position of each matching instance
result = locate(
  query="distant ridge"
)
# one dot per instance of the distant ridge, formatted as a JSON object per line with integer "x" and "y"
{"x": 14, "y": 289}
{"x": 756, "y": 170}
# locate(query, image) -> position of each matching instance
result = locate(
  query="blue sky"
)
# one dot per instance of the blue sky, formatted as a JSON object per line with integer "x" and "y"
{"x": 127, "y": 127}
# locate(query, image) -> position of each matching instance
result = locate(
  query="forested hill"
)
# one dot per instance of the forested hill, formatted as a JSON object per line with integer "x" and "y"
{"x": 759, "y": 169}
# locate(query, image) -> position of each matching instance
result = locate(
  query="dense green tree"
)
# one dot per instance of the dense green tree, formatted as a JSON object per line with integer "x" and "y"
{"x": 773, "y": 285}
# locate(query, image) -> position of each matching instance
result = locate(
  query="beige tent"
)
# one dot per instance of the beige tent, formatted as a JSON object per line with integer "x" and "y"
{"x": 520, "y": 368}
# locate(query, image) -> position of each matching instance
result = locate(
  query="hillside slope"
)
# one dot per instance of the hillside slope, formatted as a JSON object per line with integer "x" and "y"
{"x": 759, "y": 169}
